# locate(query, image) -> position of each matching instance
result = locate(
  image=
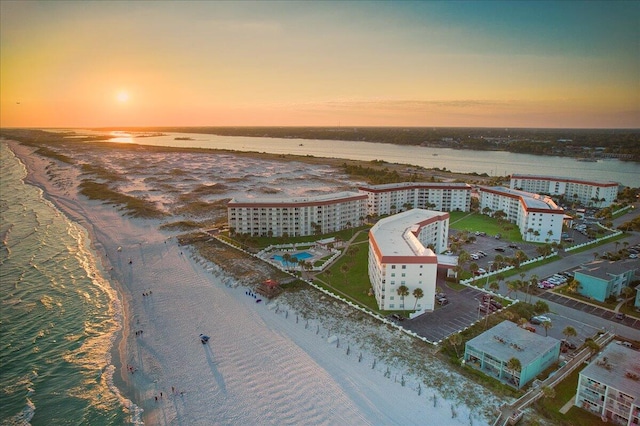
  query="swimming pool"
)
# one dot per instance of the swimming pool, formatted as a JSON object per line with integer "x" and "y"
{"x": 303, "y": 255}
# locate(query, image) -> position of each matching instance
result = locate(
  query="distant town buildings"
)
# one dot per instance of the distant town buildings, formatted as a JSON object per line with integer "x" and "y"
{"x": 537, "y": 217}
{"x": 402, "y": 252}
{"x": 588, "y": 193}
{"x": 602, "y": 279}
{"x": 492, "y": 351}
{"x": 294, "y": 217}
{"x": 394, "y": 197}
{"x": 609, "y": 386}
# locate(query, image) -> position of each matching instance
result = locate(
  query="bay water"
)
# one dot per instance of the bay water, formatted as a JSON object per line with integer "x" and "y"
{"x": 59, "y": 317}
{"x": 493, "y": 163}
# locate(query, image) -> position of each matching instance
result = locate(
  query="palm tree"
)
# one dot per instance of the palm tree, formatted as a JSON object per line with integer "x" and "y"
{"x": 541, "y": 307}
{"x": 513, "y": 367}
{"x": 494, "y": 286}
{"x": 418, "y": 294}
{"x": 463, "y": 256}
{"x": 288, "y": 260}
{"x": 627, "y": 293}
{"x": 344, "y": 268}
{"x": 514, "y": 364}
{"x": 402, "y": 291}
{"x": 548, "y": 392}
{"x": 572, "y": 286}
{"x": 455, "y": 340}
{"x": 474, "y": 268}
{"x": 546, "y": 325}
{"x": 592, "y": 345}
{"x": 522, "y": 322}
{"x": 569, "y": 332}
{"x": 533, "y": 280}
{"x": 513, "y": 286}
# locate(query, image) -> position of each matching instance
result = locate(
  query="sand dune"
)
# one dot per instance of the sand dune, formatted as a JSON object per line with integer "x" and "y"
{"x": 264, "y": 364}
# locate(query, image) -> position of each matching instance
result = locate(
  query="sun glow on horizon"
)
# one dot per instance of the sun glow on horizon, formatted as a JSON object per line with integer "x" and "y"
{"x": 122, "y": 97}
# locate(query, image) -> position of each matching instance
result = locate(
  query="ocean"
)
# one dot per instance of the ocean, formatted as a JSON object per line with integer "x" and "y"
{"x": 59, "y": 317}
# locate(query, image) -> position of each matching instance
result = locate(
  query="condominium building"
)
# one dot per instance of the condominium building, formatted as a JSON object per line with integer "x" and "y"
{"x": 609, "y": 386}
{"x": 588, "y": 193}
{"x": 394, "y": 197}
{"x": 401, "y": 253}
{"x": 602, "y": 279}
{"x": 491, "y": 351}
{"x": 538, "y": 218}
{"x": 294, "y": 217}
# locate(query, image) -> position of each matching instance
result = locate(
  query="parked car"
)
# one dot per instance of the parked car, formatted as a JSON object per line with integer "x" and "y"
{"x": 443, "y": 301}
{"x": 498, "y": 236}
{"x": 529, "y": 328}
{"x": 620, "y": 316}
{"x": 501, "y": 249}
{"x": 568, "y": 344}
{"x": 539, "y": 319}
{"x": 397, "y": 317}
{"x": 514, "y": 246}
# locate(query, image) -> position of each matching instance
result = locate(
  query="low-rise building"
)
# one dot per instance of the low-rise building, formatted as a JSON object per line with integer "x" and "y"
{"x": 609, "y": 386}
{"x": 602, "y": 279}
{"x": 538, "y": 217}
{"x": 491, "y": 352}
{"x": 401, "y": 253}
{"x": 395, "y": 197}
{"x": 588, "y": 193}
{"x": 294, "y": 217}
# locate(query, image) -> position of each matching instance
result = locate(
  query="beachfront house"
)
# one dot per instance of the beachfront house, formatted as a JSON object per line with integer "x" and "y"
{"x": 537, "y": 217}
{"x": 492, "y": 351}
{"x": 586, "y": 192}
{"x": 602, "y": 279}
{"x": 392, "y": 198}
{"x": 609, "y": 386}
{"x": 402, "y": 252}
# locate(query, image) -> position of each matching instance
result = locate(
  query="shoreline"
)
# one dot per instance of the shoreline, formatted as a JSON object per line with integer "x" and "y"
{"x": 190, "y": 296}
{"x": 33, "y": 164}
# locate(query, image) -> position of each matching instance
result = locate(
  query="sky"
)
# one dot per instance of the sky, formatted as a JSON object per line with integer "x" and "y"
{"x": 567, "y": 64}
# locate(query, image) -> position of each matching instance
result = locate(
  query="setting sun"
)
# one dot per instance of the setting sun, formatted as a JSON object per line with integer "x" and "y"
{"x": 122, "y": 97}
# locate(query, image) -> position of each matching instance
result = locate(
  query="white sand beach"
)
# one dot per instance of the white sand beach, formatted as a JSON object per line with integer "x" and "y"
{"x": 264, "y": 363}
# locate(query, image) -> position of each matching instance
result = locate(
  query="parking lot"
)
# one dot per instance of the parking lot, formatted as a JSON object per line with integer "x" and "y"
{"x": 488, "y": 245}
{"x": 589, "y": 309}
{"x": 460, "y": 312}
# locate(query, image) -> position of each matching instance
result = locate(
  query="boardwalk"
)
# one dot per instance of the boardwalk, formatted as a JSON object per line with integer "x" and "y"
{"x": 535, "y": 393}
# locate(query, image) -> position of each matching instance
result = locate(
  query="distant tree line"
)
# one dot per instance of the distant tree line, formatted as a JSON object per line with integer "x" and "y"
{"x": 623, "y": 143}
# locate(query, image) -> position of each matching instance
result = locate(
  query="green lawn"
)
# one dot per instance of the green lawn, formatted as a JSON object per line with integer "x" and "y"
{"x": 464, "y": 221}
{"x": 550, "y": 407}
{"x": 352, "y": 280}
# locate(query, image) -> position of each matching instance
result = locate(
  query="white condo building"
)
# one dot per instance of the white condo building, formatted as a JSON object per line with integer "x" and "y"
{"x": 598, "y": 194}
{"x": 294, "y": 217}
{"x": 394, "y": 197}
{"x": 537, "y": 216}
{"x": 399, "y": 254}
{"x": 609, "y": 386}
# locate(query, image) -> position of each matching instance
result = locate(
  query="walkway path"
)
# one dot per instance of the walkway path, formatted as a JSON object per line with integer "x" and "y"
{"x": 536, "y": 393}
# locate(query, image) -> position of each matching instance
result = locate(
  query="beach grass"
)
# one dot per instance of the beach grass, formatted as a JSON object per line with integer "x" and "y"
{"x": 133, "y": 206}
